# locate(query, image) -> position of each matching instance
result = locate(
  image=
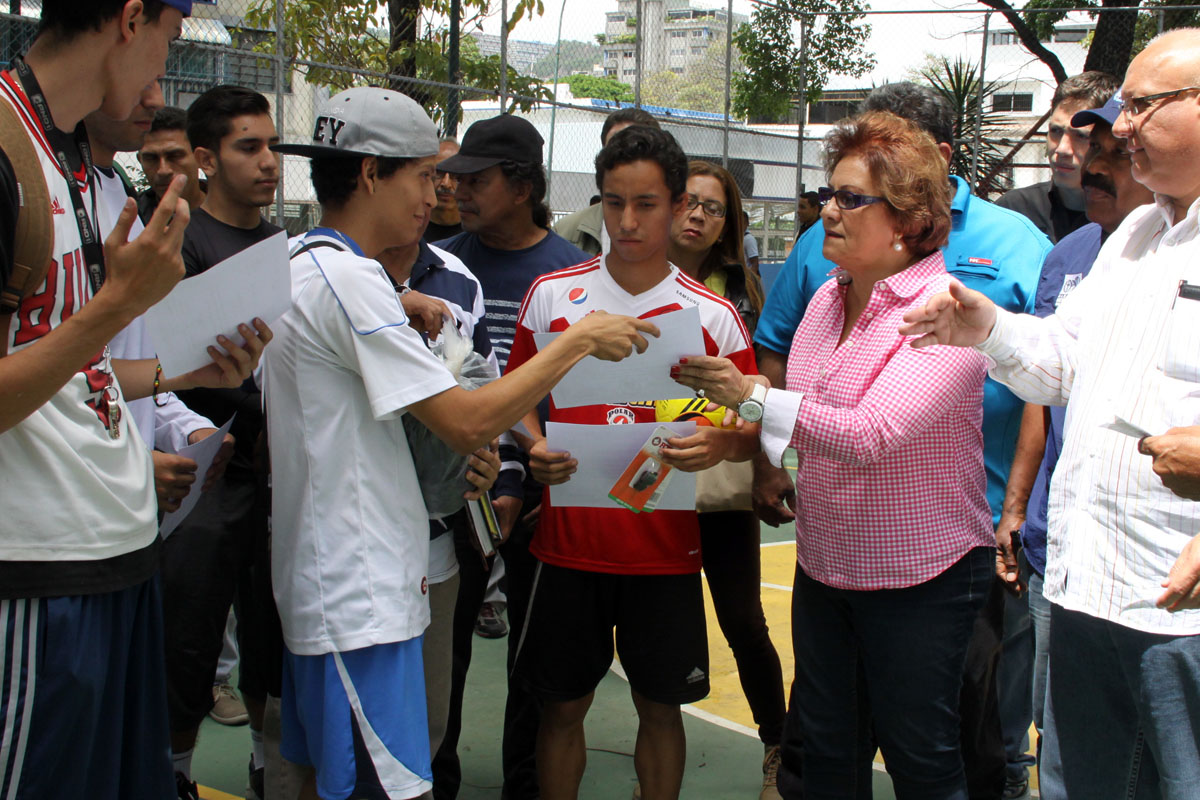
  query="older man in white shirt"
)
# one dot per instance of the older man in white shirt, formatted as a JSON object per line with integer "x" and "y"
{"x": 1123, "y": 556}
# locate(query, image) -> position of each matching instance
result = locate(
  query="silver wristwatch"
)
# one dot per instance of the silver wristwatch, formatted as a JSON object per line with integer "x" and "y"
{"x": 751, "y": 409}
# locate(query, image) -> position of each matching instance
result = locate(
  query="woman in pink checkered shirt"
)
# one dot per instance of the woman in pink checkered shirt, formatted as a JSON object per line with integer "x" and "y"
{"x": 894, "y": 544}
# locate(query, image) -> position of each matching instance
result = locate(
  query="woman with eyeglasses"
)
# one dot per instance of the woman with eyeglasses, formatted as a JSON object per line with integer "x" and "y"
{"x": 706, "y": 243}
{"x": 894, "y": 543}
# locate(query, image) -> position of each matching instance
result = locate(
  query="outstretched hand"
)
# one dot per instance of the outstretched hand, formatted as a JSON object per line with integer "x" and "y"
{"x": 613, "y": 337}
{"x": 960, "y": 317}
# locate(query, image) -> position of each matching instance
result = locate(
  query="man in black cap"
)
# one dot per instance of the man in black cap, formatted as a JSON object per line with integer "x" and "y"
{"x": 507, "y": 243}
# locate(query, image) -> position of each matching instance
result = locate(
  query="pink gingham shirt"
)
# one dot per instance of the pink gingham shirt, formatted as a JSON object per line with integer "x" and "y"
{"x": 891, "y": 489}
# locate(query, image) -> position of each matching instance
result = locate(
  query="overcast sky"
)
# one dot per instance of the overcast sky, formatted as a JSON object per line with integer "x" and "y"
{"x": 898, "y": 41}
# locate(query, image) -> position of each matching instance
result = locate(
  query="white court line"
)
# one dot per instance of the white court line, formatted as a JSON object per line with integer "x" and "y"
{"x": 776, "y": 586}
{"x": 792, "y": 542}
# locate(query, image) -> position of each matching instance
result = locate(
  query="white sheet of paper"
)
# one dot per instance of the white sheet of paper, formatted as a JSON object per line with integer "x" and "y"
{"x": 642, "y": 376}
{"x": 603, "y": 453}
{"x": 202, "y": 452}
{"x": 256, "y": 282}
{"x": 1126, "y": 427}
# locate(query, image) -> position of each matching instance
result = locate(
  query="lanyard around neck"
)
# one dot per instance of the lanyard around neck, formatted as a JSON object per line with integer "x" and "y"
{"x": 93, "y": 251}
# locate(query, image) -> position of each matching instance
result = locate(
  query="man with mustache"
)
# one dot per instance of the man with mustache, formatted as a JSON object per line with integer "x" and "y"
{"x": 1110, "y": 193}
{"x": 1056, "y": 206}
{"x": 444, "y": 220}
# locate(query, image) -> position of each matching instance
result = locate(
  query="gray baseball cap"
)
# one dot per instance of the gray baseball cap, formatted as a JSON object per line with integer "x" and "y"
{"x": 368, "y": 121}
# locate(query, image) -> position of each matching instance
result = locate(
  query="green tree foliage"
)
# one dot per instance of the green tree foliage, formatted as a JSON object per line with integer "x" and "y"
{"x": 775, "y": 70}
{"x": 701, "y": 87}
{"x": 1123, "y": 27}
{"x": 345, "y": 35}
{"x": 599, "y": 88}
{"x": 573, "y": 57}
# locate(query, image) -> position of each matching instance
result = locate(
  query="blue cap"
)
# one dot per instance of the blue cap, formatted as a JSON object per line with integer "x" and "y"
{"x": 1107, "y": 113}
{"x": 184, "y": 6}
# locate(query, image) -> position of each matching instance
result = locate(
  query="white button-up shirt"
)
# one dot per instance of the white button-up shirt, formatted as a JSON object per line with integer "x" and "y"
{"x": 1124, "y": 345}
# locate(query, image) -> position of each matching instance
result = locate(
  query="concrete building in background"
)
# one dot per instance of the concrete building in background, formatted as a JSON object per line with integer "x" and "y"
{"x": 674, "y": 35}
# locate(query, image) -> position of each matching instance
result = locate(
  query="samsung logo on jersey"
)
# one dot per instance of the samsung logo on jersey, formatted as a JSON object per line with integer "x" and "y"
{"x": 578, "y": 295}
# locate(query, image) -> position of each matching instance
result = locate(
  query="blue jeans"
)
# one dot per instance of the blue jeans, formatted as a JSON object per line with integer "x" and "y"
{"x": 1122, "y": 712}
{"x": 1015, "y": 676}
{"x": 1039, "y": 613}
{"x": 892, "y": 658}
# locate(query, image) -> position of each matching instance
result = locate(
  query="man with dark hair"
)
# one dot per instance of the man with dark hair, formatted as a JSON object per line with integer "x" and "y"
{"x": 998, "y": 251}
{"x": 165, "y": 153}
{"x": 83, "y": 710}
{"x": 444, "y": 221}
{"x": 809, "y": 207}
{"x": 1056, "y": 206}
{"x": 602, "y": 570}
{"x": 212, "y": 557}
{"x": 350, "y": 532}
{"x": 585, "y": 228}
{"x": 506, "y": 244}
{"x": 623, "y": 118}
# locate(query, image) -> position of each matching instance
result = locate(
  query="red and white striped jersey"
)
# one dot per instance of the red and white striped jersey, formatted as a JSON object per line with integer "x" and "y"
{"x": 617, "y": 540}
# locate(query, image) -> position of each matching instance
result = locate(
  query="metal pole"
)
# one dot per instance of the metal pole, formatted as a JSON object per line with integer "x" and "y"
{"x": 503, "y": 54}
{"x": 637, "y": 56}
{"x": 554, "y": 100}
{"x": 280, "y": 66}
{"x": 728, "y": 78}
{"x": 803, "y": 112}
{"x": 987, "y": 17}
{"x": 452, "y": 95}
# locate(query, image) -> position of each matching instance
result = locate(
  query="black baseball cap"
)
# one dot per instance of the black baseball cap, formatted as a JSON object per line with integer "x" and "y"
{"x": 490, "y": 141}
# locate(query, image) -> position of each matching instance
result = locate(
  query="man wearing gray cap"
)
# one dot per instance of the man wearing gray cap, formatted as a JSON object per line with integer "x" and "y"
{"x": 350, "y": 539}
{"x": 506, "y": 242}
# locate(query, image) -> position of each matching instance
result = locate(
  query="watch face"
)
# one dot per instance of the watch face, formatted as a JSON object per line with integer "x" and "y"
{"x": 751, "y": 411}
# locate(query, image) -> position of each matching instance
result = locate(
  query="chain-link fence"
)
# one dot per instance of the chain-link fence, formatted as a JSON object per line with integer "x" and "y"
{"x": 571, "y": 66}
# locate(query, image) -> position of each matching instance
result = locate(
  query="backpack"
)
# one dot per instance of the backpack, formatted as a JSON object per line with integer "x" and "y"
{"x": 34, "y": 240}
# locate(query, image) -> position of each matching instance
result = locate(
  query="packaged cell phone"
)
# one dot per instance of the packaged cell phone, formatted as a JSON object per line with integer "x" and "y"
{"x": 484, "y": 524}
{"x": 643, "y": 481}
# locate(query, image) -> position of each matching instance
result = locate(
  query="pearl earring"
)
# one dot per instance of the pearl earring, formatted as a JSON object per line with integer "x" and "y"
{"x": 897, "y": 247}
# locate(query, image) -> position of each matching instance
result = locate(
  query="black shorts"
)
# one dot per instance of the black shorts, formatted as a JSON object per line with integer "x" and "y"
{"x": 661, "y": 637}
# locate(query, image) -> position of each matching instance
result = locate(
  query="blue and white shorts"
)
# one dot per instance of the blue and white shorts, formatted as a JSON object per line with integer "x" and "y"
{"x": 359, "y": 718}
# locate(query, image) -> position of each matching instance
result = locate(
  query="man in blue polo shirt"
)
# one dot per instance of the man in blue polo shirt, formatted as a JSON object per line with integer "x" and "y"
{"x": 992, "y": 250}
{"x": 1110, "y": 193}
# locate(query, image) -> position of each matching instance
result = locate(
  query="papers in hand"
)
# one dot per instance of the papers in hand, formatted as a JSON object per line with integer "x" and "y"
{"x": 603, "y": 453}
{"x": 202, "y": 452}
{"x": 253, "y": 283}
{"x": 1121, "y": 425}
{"x": 642, "y": 376}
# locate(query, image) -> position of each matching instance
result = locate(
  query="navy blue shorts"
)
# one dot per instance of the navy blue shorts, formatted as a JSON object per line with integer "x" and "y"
{"x": 83, "y": 708}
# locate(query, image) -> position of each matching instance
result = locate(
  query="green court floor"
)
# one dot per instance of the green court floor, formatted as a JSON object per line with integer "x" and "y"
{"x": 724, "y": 757}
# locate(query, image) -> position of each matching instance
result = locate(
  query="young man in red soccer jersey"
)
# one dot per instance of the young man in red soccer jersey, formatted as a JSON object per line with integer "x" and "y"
{"x": 606, "y": 569}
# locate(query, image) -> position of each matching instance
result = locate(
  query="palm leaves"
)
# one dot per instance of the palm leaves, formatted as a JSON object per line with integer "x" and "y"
{"x": 958, "y": 82}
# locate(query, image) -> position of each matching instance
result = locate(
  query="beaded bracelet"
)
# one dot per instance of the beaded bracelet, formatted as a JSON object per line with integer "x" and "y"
{"x": 157, "y": 381}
